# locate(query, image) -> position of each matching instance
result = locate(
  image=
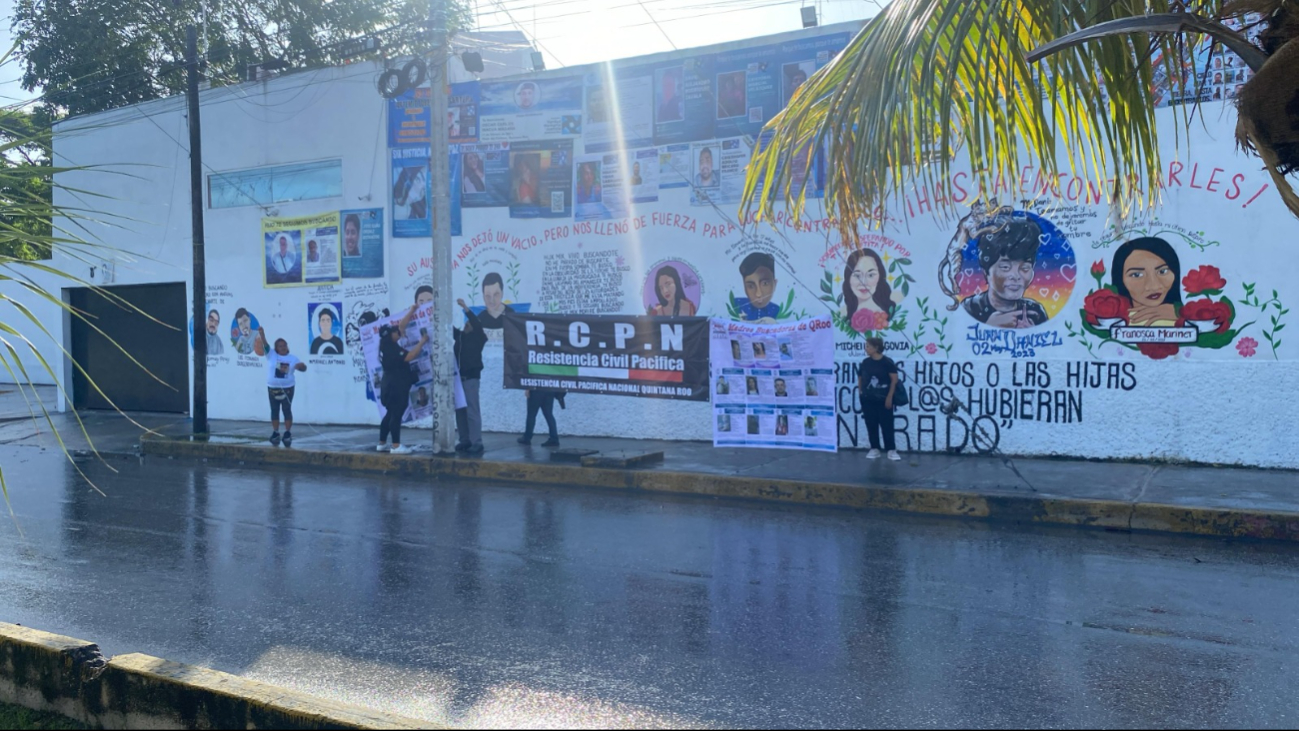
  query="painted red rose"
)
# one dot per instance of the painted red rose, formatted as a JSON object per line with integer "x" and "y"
{"x": 1105, "y": 304}
{"x": 1098, "y": 268}
{"x": 1204, "y": 279}
{"x": 1158, "y": 351}
{"x": 1206, "y": 309}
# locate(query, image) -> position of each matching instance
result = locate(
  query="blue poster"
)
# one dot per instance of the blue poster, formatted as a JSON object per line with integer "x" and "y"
{"x": 619, "y": 109}
{"x": 454, "y": 192}
{"x": 753, "y": 84}
{"x": 534, "y": 109}
{"x": 462, "y": 113}
{"x": 408, "y": 118}
{"x": 410, "y": 193}
{"x": 541, "y": 179}
{"x": 684, "y": 101}
{"x": 484, "y": 179}
{"x": 362, "y": 243}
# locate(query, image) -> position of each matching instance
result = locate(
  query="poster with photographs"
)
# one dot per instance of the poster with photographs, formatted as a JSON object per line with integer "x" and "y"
{"x": 773, "y": 385}
{"x": 362, "y": 246}
{"x": 411, "y": 212}
{"x": 541, "y": 179}
{"x": 300, "y": 251}
{"x": 718, "y": 171}
{"x": 608, "y": 185}
{"x": 420, "y": 400}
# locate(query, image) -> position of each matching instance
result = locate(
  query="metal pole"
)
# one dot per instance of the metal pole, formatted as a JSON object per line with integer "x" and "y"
{"x": 196, "y": 216}
{"x": 439, "y": 172}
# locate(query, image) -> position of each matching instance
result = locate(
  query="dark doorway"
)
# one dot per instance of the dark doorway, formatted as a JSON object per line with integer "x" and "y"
{"x": 160, "y": 347}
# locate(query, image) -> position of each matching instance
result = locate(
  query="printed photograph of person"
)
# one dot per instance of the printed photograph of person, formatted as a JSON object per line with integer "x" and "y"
{"x": 782, "y": 425}
{"x": 809, "y": 426}
{"x": 527, "y": 96}
{"x": 669, "y": 99}
{"x": 731, "y": 95}
{"x": 1146, "y": 272}
{"x": 494, "y": 307}
{"x": 759, "y": 350}
{"x": 473, "y": 179}
{"x": 753, "y": 424}
{"x": 1235, "y": 91}
{"x": 243, "y": 336}
{"x": 283, "y": 261}
{"x": 782, "y": 390}
{"x": 723, "y": 422}
{"x": 758, "y": 271}
{"x": 705, "y": 175}
{"x": 1217, "y": 94}
{"x": 410, "y": 193}
{"x": 867, "y": 296}
{"x": 795, "y": 75}
{"x": 1217, "y": 77}
{"x": 672, "y": 298}
{"x": 751, "y": 385}
{"x": 313, "y": 252}
{"x": 1008, "y": 256}
{"x": 635, "y": 174}
{"x": 812, "y": 389}
{"x": 352, "y": 235}
{"x": 524, "y": 179}
{"x": 423, "y": 295}
{"x": 327, "y": 326}
{"x": 588, "y": 183}
{"x": 214, "y": 344}
{"x": 419, "y": 398}
{"x": 723, "y": 386}
{"x": 786, "y": 351}
{"x": 453, "y": 123}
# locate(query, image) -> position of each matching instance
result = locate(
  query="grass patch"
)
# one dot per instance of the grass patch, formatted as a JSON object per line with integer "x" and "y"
{"x": 17, "y": 717}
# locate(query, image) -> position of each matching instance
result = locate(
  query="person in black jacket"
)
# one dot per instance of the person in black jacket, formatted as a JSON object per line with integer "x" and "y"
{"x": 469, "y": 343}
{"x": 397, "y": 381}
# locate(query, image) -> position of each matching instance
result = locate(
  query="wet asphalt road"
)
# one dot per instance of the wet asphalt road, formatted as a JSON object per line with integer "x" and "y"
{"x": 489, "y": 606}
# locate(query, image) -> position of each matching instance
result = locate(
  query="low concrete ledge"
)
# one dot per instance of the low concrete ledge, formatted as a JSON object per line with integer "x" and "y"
{"x": 47, "y": 672}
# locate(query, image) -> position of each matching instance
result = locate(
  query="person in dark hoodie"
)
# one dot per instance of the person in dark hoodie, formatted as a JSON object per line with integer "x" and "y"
{"x": 469, "y": 342}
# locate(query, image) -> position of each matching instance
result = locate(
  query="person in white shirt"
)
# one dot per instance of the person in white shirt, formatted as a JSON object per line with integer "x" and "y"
{"x": 280, "y": 384}
{"x": 284, "y": 261}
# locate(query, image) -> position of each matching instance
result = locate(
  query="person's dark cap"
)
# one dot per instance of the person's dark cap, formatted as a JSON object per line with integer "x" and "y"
{"x": 385, "y": 330}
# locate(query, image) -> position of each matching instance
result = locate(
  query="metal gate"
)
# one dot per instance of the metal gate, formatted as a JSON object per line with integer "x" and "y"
{"x": 160, "y": 347}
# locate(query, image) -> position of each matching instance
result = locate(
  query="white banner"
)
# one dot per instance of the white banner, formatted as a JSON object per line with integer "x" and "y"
{"x": 773, "y": 385}
{"x": 419, "y": 404}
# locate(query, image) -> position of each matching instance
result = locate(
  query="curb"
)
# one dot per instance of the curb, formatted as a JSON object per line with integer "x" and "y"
{"x": 1106, "y": 514}
{"x": 70, "y": 677}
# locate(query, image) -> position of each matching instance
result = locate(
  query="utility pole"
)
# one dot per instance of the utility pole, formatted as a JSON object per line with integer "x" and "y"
{"x": 439, "y": 174}
{"x": 196, "y": 219}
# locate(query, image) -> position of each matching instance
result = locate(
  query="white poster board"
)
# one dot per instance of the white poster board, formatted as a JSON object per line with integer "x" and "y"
{"x": 419, "y": 403}
{"x": 773, "y": 384}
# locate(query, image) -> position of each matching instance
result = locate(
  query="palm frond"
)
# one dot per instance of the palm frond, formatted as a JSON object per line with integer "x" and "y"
{"x": 930, "y": 85}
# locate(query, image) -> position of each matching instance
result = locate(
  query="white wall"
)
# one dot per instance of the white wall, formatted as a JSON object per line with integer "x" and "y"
{"x": 1204, "y": 403}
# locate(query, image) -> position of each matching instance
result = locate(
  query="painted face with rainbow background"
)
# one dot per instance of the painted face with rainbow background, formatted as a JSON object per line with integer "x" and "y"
{"x": 1052, "y": 275}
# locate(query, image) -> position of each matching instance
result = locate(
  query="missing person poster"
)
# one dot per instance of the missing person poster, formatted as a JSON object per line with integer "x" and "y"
{"x": 534, "y": 109}
{"x": 419, "y": 402}
{"x": 411, "y": 213}
{"x": 362, "y": 243}
{"x": 608, "y": 185}
{"x": 541, "y": 179}
{"x": 773, "y": 385}
{"x": 653, "y": 357}
{"x": 719, "y": 171}
{"x": 301, "y": 251}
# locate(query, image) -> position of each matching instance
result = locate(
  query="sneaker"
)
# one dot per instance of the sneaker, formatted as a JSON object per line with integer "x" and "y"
{"x": 462, "y": 447}
{"x": 383, "y": 448}
{"x": 401, "y": 450}
{"x": 524, "y": 440}
{"x": 275, "y": 438}
{"x": 476, "y": 449}
{"x": 550, "y": 443}
{"x": 288, "y": 439}
{"x": 873, "y": 454}
{"x": 894, "y": 456}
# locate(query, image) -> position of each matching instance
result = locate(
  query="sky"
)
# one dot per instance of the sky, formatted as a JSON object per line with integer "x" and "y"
{"x": 574, "y": 32}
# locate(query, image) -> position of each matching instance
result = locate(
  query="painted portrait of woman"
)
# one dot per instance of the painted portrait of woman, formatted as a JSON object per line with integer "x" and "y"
{"x": 866, "y": 291}
{"x": 671, "y": 295}
{"x": 1146, "y": 271}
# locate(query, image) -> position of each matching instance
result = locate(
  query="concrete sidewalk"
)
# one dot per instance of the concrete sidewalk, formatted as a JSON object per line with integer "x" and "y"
{"x": 1113, "y": 495}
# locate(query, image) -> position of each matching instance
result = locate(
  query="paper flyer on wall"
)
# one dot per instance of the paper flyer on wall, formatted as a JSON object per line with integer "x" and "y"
{"x": 300, "y": 251}
{"x": 411, "y": 213}
{"x": 609, "y": 184}
{"x": 536, "y": 109}
{"x": 362, "y": 246}
{"x": 420, "y": 400}
{"x": 773, "y": 385}
{"x": 718, "y": 171}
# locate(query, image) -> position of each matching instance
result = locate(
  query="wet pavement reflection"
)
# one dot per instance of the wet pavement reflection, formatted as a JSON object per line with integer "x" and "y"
{"x": 485, "y": 606}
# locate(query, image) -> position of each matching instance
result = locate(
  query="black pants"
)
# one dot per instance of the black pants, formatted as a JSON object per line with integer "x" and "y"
{"x": 395, "y": 403}
{"x": 285, "y": 403}
{"x": 878, "y": 419}
{"x": 544, "y": 402}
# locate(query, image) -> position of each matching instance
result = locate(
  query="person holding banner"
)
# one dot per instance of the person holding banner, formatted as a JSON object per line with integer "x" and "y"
{"x": 877, "y": 381}
{"x": 469, "y": 343}
{"x": 397, "y": 380}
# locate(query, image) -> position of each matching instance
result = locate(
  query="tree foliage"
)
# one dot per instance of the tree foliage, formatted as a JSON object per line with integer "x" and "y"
{"x": 1059, "y": 84}
{"x": 91, "y": 55}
